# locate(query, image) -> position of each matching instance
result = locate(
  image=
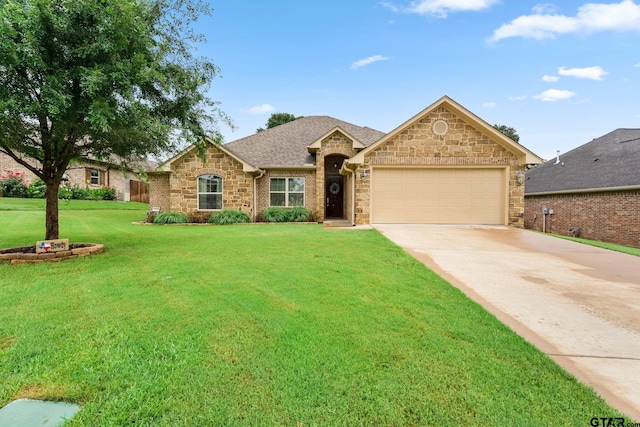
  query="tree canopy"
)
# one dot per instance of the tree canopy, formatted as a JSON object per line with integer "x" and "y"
{"x": 508, "y": 131}
{"x": 278, "y": 119}
{"x": 97, "y": 78}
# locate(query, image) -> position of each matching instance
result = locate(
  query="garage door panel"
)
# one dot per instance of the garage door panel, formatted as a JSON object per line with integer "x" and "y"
{"x": 438, "y": 196}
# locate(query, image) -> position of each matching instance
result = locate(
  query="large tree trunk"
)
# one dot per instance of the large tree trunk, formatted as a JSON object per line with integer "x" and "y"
{"x": 51, "y": 197}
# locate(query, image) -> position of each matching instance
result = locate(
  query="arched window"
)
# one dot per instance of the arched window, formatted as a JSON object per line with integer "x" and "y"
{"x": 209, "y": 192}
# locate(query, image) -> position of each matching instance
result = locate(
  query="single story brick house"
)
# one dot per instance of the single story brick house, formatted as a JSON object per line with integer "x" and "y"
{"x": 444, "y": 165}
{"x": 593, "y": 191}
{"x": 129, "y": 185}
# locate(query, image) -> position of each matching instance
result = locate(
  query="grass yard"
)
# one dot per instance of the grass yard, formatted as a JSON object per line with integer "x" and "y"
{"x": 259, "y": 325}
{"x": 611, "y": 246}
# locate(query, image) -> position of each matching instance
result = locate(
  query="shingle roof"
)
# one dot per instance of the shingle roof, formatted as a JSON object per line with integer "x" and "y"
{"x": 286, "y": 145}
{"x": 607, "y": 162}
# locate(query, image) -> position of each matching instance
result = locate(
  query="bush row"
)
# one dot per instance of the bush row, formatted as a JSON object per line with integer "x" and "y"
{"x": 230, "y": 216}
{"x": 13, "y": 184}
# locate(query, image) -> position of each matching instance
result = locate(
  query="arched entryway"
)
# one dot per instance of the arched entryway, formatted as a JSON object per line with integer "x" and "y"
{"x": 334, "y": 186}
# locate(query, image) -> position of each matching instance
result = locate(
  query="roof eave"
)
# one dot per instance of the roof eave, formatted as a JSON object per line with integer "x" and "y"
{"x": 528, "y": 156}
{"x": 316, "y": 145}
{"x": 246, "y": 166}
{"x": 585, "y": 190}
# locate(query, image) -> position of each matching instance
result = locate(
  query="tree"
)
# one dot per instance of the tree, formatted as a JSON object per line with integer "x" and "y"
{"x": 278, "y": 119}
{"x": 99, "y": 78}
{"x": 508, "y": 131}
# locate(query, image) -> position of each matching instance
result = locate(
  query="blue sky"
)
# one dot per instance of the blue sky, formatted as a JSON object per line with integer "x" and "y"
{"x": 561, "y": 73}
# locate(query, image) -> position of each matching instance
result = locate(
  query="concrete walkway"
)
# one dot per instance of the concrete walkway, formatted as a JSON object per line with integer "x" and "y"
{"x": 577, "y": 303}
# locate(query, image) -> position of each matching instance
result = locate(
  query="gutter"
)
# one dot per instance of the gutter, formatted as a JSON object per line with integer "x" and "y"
{"x": 585, "y": 190}
{"x": 309, "y": 167}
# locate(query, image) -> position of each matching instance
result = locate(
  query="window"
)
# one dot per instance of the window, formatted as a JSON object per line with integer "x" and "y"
{"x": 286, "y": 192}
{"x": 93, "y": 176}
{"x": 209, "y": 192}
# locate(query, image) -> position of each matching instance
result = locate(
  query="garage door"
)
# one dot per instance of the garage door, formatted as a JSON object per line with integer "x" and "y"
{"x": 438, "y": 196}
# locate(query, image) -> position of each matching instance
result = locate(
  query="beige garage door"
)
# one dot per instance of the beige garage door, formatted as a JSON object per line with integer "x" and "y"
{"x": 438, "y": 196}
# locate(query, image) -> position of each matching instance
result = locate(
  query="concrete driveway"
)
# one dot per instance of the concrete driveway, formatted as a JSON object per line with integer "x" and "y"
{"x": 577, "y": 303}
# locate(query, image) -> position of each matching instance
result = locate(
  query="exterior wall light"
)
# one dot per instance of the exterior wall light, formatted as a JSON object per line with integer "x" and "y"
{"x": 520, "y": 177}
{"x": 363, "y": 176}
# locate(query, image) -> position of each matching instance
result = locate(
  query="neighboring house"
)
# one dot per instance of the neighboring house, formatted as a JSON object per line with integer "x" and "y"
{"x": 444, "y": 165}
{"x": 593, "y": 190}
{"x": 128, "y": 184}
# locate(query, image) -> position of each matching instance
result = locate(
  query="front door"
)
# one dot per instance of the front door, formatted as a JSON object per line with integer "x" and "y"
{"x": 334, "y": 196}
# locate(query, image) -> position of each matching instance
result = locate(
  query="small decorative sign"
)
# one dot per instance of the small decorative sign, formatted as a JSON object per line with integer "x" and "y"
{"x": 58, "y": 245}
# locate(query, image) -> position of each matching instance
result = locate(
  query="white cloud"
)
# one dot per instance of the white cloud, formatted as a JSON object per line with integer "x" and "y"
{"x": 552, "y": 95}
{"x": 547, "y": 78}
{"x": 441, "y": 8}
{"x": 367, "y": 61}
{"x": 541, "y": 9}
{"x": 261, "y": 109}
{"x": 591, "y": 73}
{"x": 518, "y": 98}
{"x": 489, "y": 104}
{"x": 592, "y": 17}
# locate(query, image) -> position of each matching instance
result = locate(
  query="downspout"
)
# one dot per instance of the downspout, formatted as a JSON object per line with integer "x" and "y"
{"x": 346, "y": 167}
{"x": 255, "y": 196}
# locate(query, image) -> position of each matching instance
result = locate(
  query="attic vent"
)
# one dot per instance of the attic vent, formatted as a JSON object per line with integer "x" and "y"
{"x": 440, "y": 127}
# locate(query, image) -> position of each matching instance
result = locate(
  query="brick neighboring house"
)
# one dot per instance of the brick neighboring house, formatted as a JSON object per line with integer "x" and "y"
{"x": 444, "y": 165}
{"x": 595, "y": 187}
{"x": 128, "y": 183}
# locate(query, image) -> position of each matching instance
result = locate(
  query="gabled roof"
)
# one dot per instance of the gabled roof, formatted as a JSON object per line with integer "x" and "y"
{"x": 287, "y": 145}
{"x": 166, "y": 166}
{"x": 609, "y": 162}
{"x": 317, "y": 144}
{"x": 464, "y": 114}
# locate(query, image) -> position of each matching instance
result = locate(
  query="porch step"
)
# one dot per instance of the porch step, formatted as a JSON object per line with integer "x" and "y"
{"x": 337, "y": 223}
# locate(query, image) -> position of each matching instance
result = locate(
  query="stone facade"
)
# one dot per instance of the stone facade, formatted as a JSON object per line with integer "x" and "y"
{"x": 336, "y": 143}
{"x": 237, "y": 186}
{"x": 606, "y": 216}
{"x": 462, "y": 145}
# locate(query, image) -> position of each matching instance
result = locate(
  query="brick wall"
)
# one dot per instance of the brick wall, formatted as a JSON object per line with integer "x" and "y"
{"x": 609, "y": 216}
{"x": 462, "y": 145}
{"x": 7, "y": 163}
{"x": 237, "y": 186}
{"x": 159, "y": 191}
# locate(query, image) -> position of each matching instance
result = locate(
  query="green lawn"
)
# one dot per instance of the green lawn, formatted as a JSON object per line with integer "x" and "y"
{"x": 260, "y": 325}
{"x": 611, "y": 246}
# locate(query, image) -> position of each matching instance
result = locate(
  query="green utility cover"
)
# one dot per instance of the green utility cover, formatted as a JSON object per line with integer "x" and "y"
{"x": 36, "y": 413}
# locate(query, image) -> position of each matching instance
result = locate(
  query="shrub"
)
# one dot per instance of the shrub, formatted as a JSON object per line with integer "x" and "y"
{"x": 13, "y": 187}
{"x": 299, "y": 214}
{"x": 106, "y": 193}
{"x": 278, "y": 214}
{"x": 229, "y": 216}
{"x": 275, "y": 214}
{"x": 170, "y": 217}
{"x": 36, "y": 189}
{"x": 78, "y": 193}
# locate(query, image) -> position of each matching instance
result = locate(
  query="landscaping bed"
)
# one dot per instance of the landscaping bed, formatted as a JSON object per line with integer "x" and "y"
{"x": 25, "y": 254}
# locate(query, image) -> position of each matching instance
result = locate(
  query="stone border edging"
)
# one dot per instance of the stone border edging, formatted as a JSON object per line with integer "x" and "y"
{"x": 76, "y": 250}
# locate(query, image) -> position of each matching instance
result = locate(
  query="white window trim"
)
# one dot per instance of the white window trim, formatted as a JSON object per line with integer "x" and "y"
{"x": 97, "y": 177}
{"x": 198, "y": 193}
{"x": 286, "y": 191}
